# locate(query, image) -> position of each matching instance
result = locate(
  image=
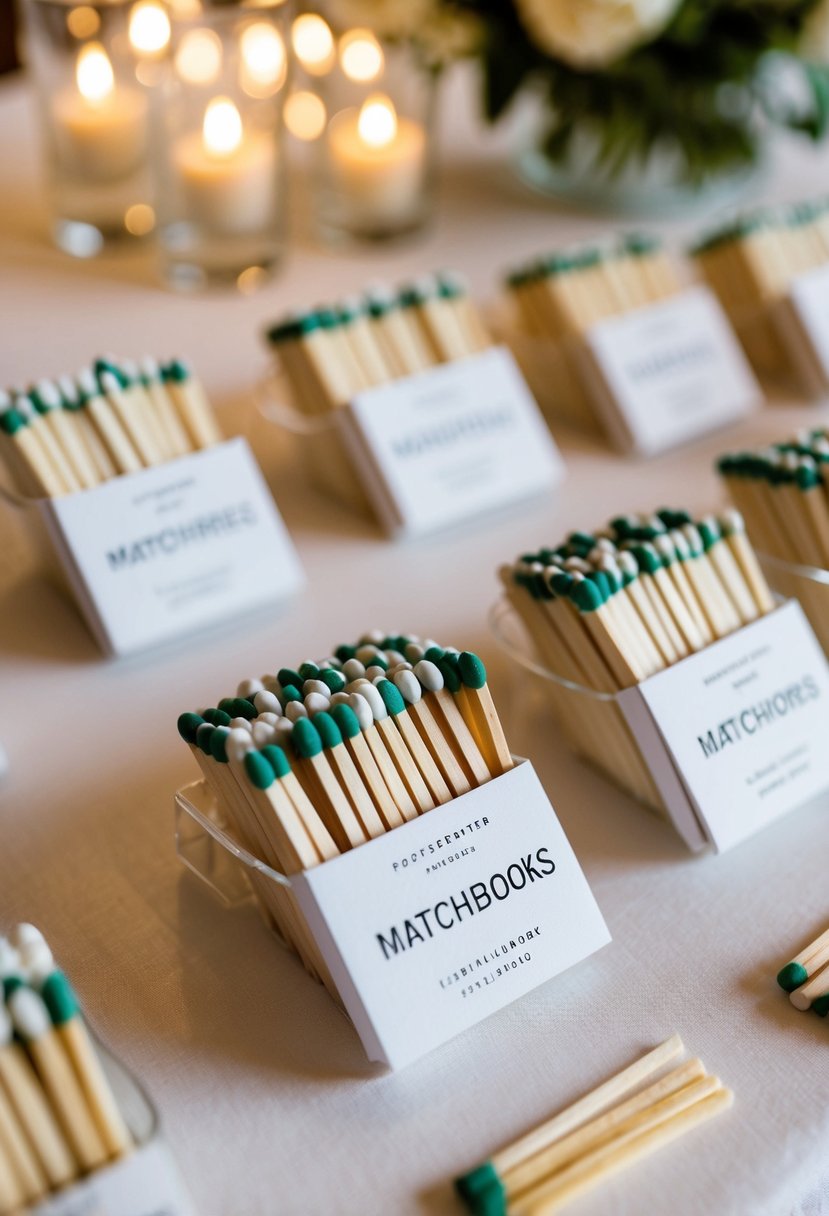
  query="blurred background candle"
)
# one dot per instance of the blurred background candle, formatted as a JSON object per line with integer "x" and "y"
{"x": 218, "y": 167}
{"x": 95, "y": 116}
{"x": 372, "y": 127}
{"x": 100, "y": 128}
{"x": 228, "y": 176}
{"x": 377, "y": 164}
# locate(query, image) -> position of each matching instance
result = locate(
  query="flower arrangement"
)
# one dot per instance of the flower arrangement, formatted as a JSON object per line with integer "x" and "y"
{"x": 703, "y": 78}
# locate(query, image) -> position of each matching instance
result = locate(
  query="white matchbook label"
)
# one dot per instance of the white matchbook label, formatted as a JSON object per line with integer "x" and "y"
{"x": 737, "y": 735}
{"x": 432, "y": 927}
{"x": 802, "y": 319}
{"x": 450, "y": 443}
{"x": 144, "y": 1183}
{"x": 157, "y": 554}
{"x": 666, "y": 373}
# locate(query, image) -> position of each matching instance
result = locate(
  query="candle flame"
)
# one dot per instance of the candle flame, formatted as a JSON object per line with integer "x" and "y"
{"x": 93, "y": 73}
{"x": 377, "y": 123}
{"x": 305, "y": 115}
{"x": 199, "y": 56}
{"x": 222, "y": 129}
{"x": 263, "y": 56}
{"x": 149, "y": 28}
{"x": 361, "y": 55}
{"x": 313, "y": 43}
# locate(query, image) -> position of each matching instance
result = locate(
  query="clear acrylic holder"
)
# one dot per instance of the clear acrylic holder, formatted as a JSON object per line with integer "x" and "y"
{"x": 29, "y": 513}
{"x": 145, "y": 1182}
{"x": 592, "y": 721}
{"x": 322, "y": 449}
{"x": 806, "y": 584}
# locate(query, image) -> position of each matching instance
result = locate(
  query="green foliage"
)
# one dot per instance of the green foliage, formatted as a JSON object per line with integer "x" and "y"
{"x": 705, "y": 86}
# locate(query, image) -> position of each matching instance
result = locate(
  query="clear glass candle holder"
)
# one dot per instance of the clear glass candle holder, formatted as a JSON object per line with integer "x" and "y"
{"x": 94, "y": 112}
{"x": 374, "y": 166}
{"x": 218, "y": 160}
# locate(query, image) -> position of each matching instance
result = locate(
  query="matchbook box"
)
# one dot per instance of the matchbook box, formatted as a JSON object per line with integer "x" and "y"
{"x": 430, "y": 928}
{"x": 437, "y": 448}
{"x": 735, "y": 736}
{"x": 157, "y": 554}
{"x": 653, "y": 377}
{"x": 802, "y": 321}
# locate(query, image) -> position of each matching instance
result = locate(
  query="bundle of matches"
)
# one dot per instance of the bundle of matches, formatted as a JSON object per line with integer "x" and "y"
{"x": 806, "y": 977}
{"x": 783, "y": 494}
{"x": 602, "y": 1133}
{"x": 58, "y": 1116}
{"x": 564, "y": 294}
{"x": 319, "y": 759}
{"x": 752, "y": 260}
{"x": 331, "y": 354}
{"x": 606, "y": 610}
{"x": 62, "y": 436}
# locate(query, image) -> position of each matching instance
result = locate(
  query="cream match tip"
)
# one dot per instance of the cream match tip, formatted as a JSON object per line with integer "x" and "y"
{"x": 29, "y": 1014}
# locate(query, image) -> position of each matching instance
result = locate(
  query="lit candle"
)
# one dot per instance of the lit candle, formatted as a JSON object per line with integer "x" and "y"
{"x": 100, "y": 127}
{"x": 377, "y": 161}
{"x": 227, "y": 174}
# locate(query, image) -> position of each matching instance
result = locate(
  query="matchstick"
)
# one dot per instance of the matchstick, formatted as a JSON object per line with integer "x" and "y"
{"x": 801, "y": 968}
{"x": 25, "y": 1167}
{"x": 29, "y": 463}
{"x": 190, "y": 400}
{"x": 75, "y": 401}
{"x": 32, "y": 1022}
{"x": 115, "y": 438}
{"x": 47, "y": 400}
{"x": 64, "y": 1010}
{"x": 32, "y": 1109}
{"x": 128, "y": 405}
{"x": 52, "y": 451}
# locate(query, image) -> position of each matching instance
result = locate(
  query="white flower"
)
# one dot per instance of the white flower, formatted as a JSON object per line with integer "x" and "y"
{"x": 593, "y": 33}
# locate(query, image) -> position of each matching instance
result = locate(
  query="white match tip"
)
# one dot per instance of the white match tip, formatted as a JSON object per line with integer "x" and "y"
{"x": 86, "y": 380}
{"x": 373, "y": 637}
{"x": 149, "y": 367}
{"x": 317, "y": 686}
{"x": 295, "y": 710}
{"x": 408, "y": 686}
{"x": 39, "y": 963}
{"x": 267, "y": 716}
{"x": 49, "y": 393}
{"x": 315, "y": 703}
{"x": 430, "y": 675}
{"x": 9, "y": 958}
{"x": 241, "y": 724}
{"x": 247, "y": 688}
{"x": 362, "y": 710}
{"x": 25, "y": 936}
{"x": 5, "y": 401}
{"x": 375, "y": 672}
{"x": 353, "y": 669}
{"x": 24, "y": 405}
{"x": 267, "y": 702}
{"x": 238, "y": 744}
{"x": 378, "y": 705}
{"x": 366, "y": 653}
{"x": 5, "y": 1026}
{"x": 394, "y": 656}
{"x": 68, "y": 388}
{"x": 264, "y": 733}
{"x": 130, "y": 368}
{"x": 29, "y": 1014}
{"x": 109, "y": 382}
{"x": 414, "y": 653}
{"x": 340, "y": 698}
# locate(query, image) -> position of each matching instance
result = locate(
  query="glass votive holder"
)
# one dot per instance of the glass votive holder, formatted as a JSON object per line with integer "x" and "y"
{"x": 95, "y": 121}
{"x": 374, "y": 166}
{"x": 807, "y": 584}
{"x": 592, "y": 722}
{"x": 217, "y": 158}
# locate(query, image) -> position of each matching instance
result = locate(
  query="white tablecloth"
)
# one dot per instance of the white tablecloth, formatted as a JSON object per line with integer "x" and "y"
{"x": 262, "y": 1088}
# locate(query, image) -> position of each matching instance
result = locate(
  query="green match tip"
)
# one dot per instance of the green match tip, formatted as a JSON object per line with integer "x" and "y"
{"x": 277, "y": 759}
{"x": 59, "y": 997}
{"x": 472, "y": 670}
{"x": 218, "y": 744}
{"x": 347, "y": 721}
{"x": 792, "y": 976}
{"x": 329, "y": 732}
{"x": 260, "y": 774}
{"x": 820, "y": 1005}
{"x": 483, "y": 1191}
{"x": 305, "y": 739}
{"x": 392, "y": 698}
{"x": 188, "y": 725}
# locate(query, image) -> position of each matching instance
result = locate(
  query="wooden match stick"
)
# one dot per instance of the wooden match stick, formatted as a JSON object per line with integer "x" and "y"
{"x": 46, "y": 399}
{"x": 52, "y": 451}
{"x": 32, "y": 470}
{"x": 32, "y": 1022}
{"x": 129, "y": 411}
{"x": 14, "y": 1147}
{"x": 364, "y": 712}
{"x": 322, "y": 786}
{"x": 361, "y": 754}
{"x": 190, "y": 400}
{"x": 426, "y": 765}
{"x": 75, "y": 402}
{"x": 799, "y": 970}
{"x": 64, "y": 1010}
{"x": 343, "y": 766}
{"x": 117, "y": 442}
